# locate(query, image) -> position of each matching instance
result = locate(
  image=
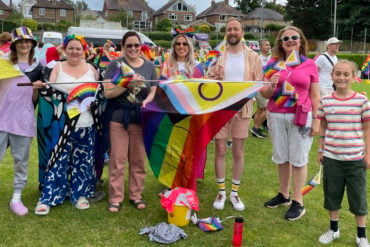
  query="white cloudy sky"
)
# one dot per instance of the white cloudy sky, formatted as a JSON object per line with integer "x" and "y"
{"x": 200, "y": 5}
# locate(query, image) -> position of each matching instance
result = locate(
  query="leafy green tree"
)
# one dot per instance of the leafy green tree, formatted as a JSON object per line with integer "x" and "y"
{"x": 275, "y": 6}
{"x": 203, "y": 29}
{"x": 32, "y": 24}
{"x": 123, "y": 17}
{"x": 353, "y": 17}
{"x": 164, "y": 25}
{"x": 246, "y": 6}
{"x": 312, "y": 16}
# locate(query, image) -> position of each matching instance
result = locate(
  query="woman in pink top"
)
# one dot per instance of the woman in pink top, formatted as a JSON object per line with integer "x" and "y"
{"x": 294, "y": 81}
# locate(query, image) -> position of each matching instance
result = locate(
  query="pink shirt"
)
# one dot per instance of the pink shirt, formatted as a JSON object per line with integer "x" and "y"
{"x": 301, "y": 77}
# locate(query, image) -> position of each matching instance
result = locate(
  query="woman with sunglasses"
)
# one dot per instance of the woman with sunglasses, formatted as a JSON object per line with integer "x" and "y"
{"x": 294, "y": 84}
{"x": 181, "y": 62}
{"x": 125, "y": 130}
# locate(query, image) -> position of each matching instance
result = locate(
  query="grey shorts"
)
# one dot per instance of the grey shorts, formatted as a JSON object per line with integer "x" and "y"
{"x": 290, "y": 143}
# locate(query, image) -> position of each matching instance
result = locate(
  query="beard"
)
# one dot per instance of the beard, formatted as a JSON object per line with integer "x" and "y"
{"x": 233, "y": 40}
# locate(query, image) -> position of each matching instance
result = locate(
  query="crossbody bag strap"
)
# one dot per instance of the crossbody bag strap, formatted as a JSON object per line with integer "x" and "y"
{"x": 331, "y": 62}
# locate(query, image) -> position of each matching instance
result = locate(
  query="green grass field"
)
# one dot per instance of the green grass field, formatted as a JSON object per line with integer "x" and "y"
{"x": 67, "y": 226}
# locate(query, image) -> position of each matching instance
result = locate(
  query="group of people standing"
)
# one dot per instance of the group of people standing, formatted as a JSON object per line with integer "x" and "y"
{"x": 290, "y": 101}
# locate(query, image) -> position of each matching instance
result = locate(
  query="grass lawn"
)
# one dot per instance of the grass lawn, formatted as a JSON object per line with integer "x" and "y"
{"x": 67, "y": 226}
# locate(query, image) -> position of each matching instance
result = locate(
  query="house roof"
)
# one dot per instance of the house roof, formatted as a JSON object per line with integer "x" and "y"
{"x": 3, "y": 6}
{"x": 268, "y": 14}
{"x": 50, "y": 4}
{"x": 133, "y": 5}
{"x": 165, "y": 7}
{"x": 220, "y": 8}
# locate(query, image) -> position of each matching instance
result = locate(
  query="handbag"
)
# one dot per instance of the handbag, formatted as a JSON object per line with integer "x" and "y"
{"x": 301, "y": 114}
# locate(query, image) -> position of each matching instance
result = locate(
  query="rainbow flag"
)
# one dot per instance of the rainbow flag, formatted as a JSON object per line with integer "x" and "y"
{"x": 8, "y": 70}
{"x": 312, "y": 183}
{"x": 211, "y": 58}
{"x": 178, "y": 127}
{"x": 122, "y": 75}
{"x": 366, "y": 66}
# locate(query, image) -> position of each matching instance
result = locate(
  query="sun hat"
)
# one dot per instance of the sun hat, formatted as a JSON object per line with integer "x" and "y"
{"x": 22, "y": 33}
{"x": 333, "y": 40}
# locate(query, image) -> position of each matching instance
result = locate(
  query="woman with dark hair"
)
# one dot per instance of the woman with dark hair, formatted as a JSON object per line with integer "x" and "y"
{"x": 125, "y": 130}
{"x": 17, "y": 116}
{"x": 292, "y": 115}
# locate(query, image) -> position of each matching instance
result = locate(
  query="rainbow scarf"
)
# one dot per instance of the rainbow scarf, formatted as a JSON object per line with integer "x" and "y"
{"x": 275, "y": 64}
{"x": 165, "y": 74}
{"x": 182, "y": 120}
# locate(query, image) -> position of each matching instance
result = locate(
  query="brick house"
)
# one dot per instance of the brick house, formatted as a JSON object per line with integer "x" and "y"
{"x": 52, "y": 11}
{"x": 257, "y": 19}
{"x": 218, "y": 14}
{"x": 178, "y": 11}
{"x": 137, "y": 9}
{"x": 5, "y": 10}
{"x": 25, "y": 7}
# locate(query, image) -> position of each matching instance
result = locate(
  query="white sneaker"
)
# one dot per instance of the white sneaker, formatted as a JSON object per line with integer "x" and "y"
{"x": 362, "y": 242}
{"x": 237, "y": 203}
{"x": 219, "y": 203}
{"x": 329, "y": 236}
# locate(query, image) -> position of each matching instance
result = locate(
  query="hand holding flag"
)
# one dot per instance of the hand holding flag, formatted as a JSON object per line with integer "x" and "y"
{"x": 123, "y": 74}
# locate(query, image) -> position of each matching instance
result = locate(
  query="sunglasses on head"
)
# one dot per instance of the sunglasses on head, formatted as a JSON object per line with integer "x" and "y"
{"x": 183, "y": 44}
{"x": 132, "y": 45}
{"x": 293, "y": 37}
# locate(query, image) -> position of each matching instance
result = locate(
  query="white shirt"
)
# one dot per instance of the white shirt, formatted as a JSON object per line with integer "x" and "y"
{"x": 325, "y": 67}
{"x": 234, "y": 67}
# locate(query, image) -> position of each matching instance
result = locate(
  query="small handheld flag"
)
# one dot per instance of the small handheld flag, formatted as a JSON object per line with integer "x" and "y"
{"x": 312, "y": 183}
{"x": 122, "y": 75}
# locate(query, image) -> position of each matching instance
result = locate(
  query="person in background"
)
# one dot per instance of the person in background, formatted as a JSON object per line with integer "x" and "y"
{"x": 17, "y": 105}
{"x": 125, "y": 130}
{"x": 73, "y": 173}
{"x": 325, "y": 63}
{"x": 344, "y": 151}
{"x": 260, "y": 114}
{"x": 294, "y": 83}
{"x": 239, "y": 63}
{"x": 5, "y": 41}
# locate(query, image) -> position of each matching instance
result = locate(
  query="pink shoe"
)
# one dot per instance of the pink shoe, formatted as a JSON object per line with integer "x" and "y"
{"x": 18, "y": 208}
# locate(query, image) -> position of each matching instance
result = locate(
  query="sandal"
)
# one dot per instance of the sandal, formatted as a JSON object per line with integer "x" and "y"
{"x": 98, "y": 196}
{"x": 114, "y": 208}
{"x": 138, "y": 203}
{"x": 82, "y": 203}
{"x": 42, "y": 209}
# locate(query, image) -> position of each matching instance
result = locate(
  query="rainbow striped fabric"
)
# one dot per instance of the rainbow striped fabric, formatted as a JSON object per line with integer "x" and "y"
{"x": 181, "y": 121}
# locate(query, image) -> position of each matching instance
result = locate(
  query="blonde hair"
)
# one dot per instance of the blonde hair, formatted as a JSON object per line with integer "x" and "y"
{"x": 278, "y": 50}
{"x": 189, "y": 60}
{"x": 350, "y": 63}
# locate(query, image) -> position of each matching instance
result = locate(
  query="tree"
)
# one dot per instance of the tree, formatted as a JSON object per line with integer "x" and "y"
{"x": 164, "y": 25}
{"x": 246, "y": 6}
{"x": 275, "y": 6}
{"x": 312, "y": 16}
{"x": 203, "y": 29}
{"x": 353, "y": 17}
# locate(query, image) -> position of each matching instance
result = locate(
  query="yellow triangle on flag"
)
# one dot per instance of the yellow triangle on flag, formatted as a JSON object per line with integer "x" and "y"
{"x": 7, "y": 70}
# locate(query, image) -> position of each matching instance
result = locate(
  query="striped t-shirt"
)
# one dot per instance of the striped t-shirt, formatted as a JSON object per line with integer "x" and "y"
{"x": 344, "y": 133}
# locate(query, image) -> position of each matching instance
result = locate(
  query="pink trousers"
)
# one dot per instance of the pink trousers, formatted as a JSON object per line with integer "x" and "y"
{"x": 126, "y": 146}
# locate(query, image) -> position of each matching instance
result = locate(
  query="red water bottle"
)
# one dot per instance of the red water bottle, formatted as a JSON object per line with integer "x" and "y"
{"x": 238, "y": 232}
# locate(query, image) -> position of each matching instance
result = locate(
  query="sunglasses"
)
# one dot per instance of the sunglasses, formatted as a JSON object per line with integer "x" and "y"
{"x": 132, "y": 45}
{"x": 183, "y": 44}
{"x": 293, "y": 37}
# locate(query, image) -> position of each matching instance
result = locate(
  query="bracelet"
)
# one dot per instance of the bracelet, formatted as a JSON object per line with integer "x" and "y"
{"x": 322, "y": 137}
{"x": 320, "y": 150}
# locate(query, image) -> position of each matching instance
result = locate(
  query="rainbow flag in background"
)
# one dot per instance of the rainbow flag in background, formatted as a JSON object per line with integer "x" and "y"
{"x": 178, "y": 127}
{"x": 366, "y": 66}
